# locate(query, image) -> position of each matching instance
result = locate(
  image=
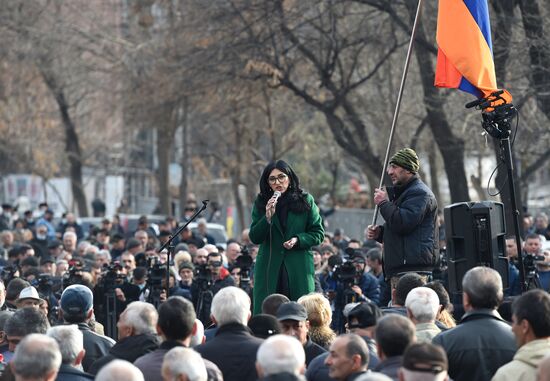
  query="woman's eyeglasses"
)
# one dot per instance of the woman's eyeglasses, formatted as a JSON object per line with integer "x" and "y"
{"x": 281, "y": 178}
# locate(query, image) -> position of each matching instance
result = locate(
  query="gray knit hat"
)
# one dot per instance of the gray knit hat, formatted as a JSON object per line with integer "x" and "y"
{"x": 407, "y": 159}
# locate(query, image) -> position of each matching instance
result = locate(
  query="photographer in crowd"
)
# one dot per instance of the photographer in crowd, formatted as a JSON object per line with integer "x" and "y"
{"x": 536, "y": 263}
{"x": 210, "y": 279}
{"x": 349, "y": 283}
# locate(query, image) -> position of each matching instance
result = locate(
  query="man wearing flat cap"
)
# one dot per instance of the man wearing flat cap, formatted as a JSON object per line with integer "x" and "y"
{"x": 409, "y": 209}
{"x": 424, "y": 362}
{"x": 292, "y": 317}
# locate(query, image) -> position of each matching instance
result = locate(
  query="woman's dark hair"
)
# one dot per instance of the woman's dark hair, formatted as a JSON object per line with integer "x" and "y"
{"x": 297, "y": 197}
{"x": 442, "y": 294}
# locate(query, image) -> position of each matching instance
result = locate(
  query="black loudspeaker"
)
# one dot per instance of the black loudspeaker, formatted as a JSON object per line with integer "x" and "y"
{"x": 476, "y": 236}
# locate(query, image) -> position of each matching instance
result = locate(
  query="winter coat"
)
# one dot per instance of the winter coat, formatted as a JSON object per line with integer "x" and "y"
{"x": 130, "y": 349}
{"x": 150, "y": 364}
{"x": 283, "y": 376}
{"x": 524, "y": 365}
{"x": 233, "y": 350}
{"x": 390, "y": 367}
{"x": 68, "y": 373}
{"x": 96, "y": 345}
{"x": 308, "y": 228}
{"x": 478, "y": 346}
{"x": 410, "y": 231}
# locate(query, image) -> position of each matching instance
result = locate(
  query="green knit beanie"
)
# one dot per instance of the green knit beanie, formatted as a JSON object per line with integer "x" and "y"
{"x": 407, "y": 159}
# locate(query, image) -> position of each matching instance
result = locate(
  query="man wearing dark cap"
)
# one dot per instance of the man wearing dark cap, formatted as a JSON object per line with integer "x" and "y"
{"x": 47, "y": 265}
{"x": 409, "y": 209}
{"x": 77, "y": 303}
{"x": 424, "y": 362}
{"x": 263, "y": 326}
{"x": 55, "y": 248}
{"x": 46, "y": 220}
{"x": 293, "y": 319}
{"x": 186, "y": 271}
{"x": 118, "y": 245}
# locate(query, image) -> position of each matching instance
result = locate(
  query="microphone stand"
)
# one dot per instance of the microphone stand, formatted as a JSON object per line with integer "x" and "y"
{"x": 170, "y": 243}
{"x": 496, "y": 117}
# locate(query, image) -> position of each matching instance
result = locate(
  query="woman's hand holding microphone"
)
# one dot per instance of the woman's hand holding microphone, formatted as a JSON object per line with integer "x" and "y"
{"x": 270, "y": 206}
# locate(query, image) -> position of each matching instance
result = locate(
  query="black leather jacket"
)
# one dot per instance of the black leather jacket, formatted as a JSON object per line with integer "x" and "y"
{"x": 478, "y": 346}
{"x": 96, "y": 345}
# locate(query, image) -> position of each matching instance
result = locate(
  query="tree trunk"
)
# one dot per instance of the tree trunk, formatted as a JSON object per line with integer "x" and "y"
{"x": 236, "y": 170}
{"x": 539, "y": 53}
{"x": 72, "y": 146}
{"x": 164, "y": 148}
{"x": 434, "y": 173}
{"x": 185, "y": 155}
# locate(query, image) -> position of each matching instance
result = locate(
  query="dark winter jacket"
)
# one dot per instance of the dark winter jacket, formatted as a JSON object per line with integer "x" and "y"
{"x": 151, "y": 363}
{"x": 410, "y": 231}
{"x": 130, "y": 349}
{"x": 284, "y": 376}
{"x": 96, "y": 345}
{"x": 390, "y": 366}
{"x": 233, "y": 350}
{"x": 478, "y": 346}
{"x": 312, "y": 350}
{"x": 68, "y": 373}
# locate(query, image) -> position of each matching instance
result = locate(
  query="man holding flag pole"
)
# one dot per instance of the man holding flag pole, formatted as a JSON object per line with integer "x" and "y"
{"x": 410, "y": 210}
{"x": 464, "y": 62}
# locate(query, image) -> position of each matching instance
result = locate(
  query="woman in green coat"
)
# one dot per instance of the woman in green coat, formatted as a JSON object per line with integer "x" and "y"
{"x": 286, "y": 224}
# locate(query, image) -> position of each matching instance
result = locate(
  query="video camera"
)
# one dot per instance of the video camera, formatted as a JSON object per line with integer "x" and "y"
{"x": 8, "y": 273}
{"x": 531, "y": 260}
{"x": 74, "y": 273}
{"x": 156, "y": 272}
{"x": 244, "y": 262}
{"x": 203, "y": 276}
{"x": 111, "y": 276}
{"x": 44, "y": 284}
{"x": 346, "y": 272}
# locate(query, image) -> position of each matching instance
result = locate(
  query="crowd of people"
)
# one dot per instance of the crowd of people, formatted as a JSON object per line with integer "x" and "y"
{"x": 344, "y": 330}
{"x": 284, "y": 301}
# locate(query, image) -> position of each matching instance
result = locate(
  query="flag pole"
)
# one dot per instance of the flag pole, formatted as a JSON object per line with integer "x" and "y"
{"x": 398, "y": 104}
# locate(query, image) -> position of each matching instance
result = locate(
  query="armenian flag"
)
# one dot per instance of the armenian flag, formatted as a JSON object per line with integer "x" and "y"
{"x": 465, "y": 51}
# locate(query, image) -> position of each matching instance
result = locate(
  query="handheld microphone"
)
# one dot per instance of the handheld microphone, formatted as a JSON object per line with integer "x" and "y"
{"x": 275, "y": 197}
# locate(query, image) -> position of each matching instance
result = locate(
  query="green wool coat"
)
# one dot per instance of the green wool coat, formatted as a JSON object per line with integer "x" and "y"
{"x": 308, "y": 227}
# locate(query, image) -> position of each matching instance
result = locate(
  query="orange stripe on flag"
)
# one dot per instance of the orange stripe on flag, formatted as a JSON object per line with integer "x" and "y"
{"x": 463, "y": 44}
{"x": 446, "y": 74}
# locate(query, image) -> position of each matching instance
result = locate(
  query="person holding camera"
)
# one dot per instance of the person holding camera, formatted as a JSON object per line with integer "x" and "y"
{"x": 210, "y": 279}
{"x": 348, "y": 282}
{"x": 366, "y": 285}
{"x": 536, "y": 262}
{"x": 286, "y": 224}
